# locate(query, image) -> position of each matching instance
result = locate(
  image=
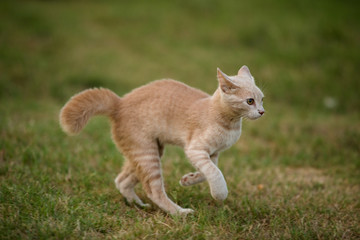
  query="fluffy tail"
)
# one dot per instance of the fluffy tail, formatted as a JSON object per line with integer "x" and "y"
{"x": 82, "y": 106}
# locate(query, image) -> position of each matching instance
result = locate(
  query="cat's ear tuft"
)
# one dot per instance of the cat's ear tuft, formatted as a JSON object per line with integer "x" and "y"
{"x": 225, "y": 83}
{"x": 244, "y": 71}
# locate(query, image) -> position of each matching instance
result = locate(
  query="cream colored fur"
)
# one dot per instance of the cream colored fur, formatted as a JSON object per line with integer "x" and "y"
{"x": 170, "y": 112}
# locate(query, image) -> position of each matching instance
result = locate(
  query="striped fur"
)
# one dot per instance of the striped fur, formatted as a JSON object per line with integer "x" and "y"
{"x": 169, "y": 112}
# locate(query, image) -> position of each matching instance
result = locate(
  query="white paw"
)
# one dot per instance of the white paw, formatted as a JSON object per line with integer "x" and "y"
{"x": 183, "y": 182}
{"x": 144, "y": 205}
{"x": 218, "y": 187}
{"x": 185, "y": 211}
{"x": 191, "y": 179}
{"x": 220, "y": 192}
{"x": 219, "y": 196}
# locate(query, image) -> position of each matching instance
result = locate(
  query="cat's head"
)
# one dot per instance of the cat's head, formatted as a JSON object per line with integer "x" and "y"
{"x": 241, "y": 94}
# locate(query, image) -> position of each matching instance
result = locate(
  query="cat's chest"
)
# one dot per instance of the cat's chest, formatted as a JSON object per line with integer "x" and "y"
{"x": 224, "y": 139}
{"x": 228, "y": 139}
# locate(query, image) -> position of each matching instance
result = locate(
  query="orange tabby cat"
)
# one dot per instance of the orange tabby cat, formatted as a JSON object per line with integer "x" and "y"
{"x": 170, "y": 112}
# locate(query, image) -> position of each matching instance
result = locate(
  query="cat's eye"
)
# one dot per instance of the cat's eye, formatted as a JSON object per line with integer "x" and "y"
{"x": 250, "y": 101}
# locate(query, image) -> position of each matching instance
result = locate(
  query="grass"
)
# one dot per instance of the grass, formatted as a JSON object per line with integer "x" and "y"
{"x": 294, "y": 174}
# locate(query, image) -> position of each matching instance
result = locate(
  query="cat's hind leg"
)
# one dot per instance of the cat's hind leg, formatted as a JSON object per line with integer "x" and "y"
{"x": 148, "y": 170}
{"x": 197, "y": 177}
{"x": 126, "y": 181}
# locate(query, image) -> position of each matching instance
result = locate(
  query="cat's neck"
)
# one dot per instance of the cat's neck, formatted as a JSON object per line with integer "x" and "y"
{"x": 223, "y": 113}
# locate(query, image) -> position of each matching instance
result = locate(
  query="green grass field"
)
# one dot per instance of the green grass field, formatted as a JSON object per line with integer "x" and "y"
{"x": 294, "y": 173}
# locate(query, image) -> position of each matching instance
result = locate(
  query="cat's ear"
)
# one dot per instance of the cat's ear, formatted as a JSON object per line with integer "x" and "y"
{"x": 225, "y": 83}
{"x": 244, "y": 71}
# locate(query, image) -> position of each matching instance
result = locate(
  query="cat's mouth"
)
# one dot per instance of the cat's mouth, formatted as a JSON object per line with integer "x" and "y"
{"x": 254, "y": 116}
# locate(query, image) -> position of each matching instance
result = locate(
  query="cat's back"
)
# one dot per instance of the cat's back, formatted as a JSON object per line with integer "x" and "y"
{"x": 164, "y": 92}
{"x": 158, "y": 110}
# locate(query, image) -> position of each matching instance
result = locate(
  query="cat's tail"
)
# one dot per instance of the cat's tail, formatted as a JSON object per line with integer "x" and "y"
{"x": 82, "y": 106}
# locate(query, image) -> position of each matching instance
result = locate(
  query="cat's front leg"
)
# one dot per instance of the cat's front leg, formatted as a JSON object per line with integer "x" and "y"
{"x": 200, "y": 159}
{"x": 190, "y": 179}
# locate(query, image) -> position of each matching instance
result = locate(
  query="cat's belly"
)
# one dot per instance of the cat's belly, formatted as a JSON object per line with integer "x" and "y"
{"x": 171, "y": 137}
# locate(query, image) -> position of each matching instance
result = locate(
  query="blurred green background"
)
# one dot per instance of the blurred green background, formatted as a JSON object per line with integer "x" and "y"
{"x": 304, "y": 55}
{"x": 300, "y": 52}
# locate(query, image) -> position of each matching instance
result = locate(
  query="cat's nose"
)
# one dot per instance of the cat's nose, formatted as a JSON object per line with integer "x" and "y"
{"x": 261, "y": 112}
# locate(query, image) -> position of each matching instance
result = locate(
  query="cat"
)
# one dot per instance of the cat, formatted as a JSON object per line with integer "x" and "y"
{"x": 170, "y": 112}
